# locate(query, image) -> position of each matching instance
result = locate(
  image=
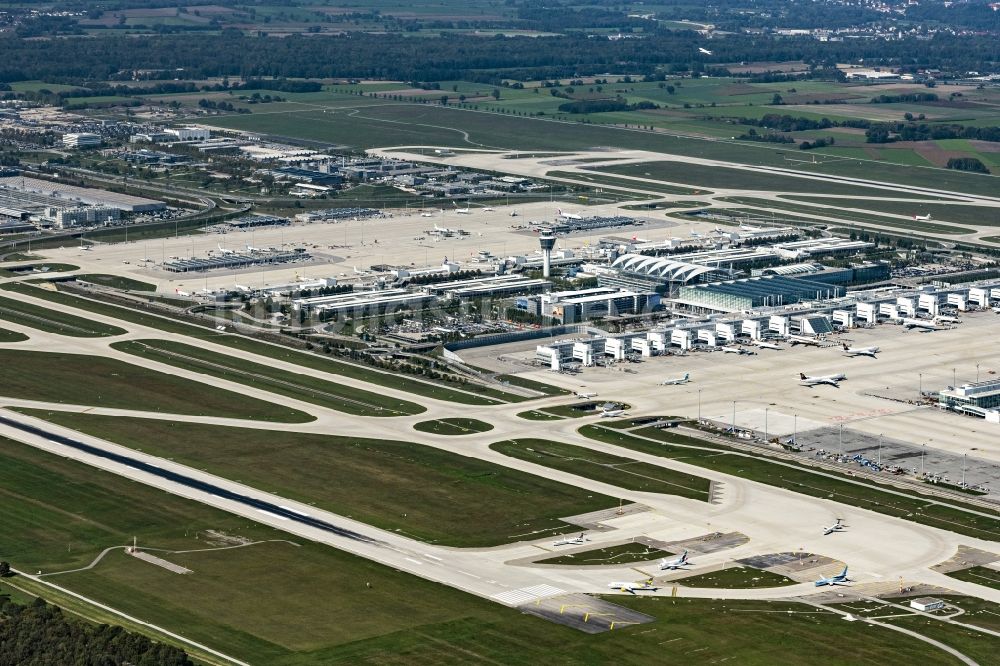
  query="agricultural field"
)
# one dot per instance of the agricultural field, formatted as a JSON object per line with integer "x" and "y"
{"x": 438, "y": 497}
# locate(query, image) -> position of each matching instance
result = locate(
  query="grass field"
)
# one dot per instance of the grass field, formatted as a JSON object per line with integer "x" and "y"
{"x": 373, "y": 376}
{"x": 79, "y": 379}
{"x": 575, "y": 410}
{"x": 626, "y": 553}
{"x": 945, "y": 212}
{"x": 39, "y": 269}
{"x": 453, "y": 426}
{"x": 52, "y": 321}
{"x": 735, "y": 578}
{"x": 617, "y": 471}
{"x": 380, "y": 123}
{"x": 800, "y": 479}
{"x": 435, "y": 496}
{"x": 320, "y": 612}
{"x": 116, "y": 282}
{"x": 282, "y": 382}
{"x": 979, "y": 575}
{"x": 712, "y": 177}
{"x": 11, "y": 336}
{"x": 524, "y": 382}
{"x": 602, "y": 181}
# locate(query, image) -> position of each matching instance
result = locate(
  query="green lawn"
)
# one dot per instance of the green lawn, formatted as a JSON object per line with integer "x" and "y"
{"x": 712, "y": 176}
{"x": 453, "y": 426}
{"x": 417, "y": 490}
{"x": 11, "y": 336}
{"x": 735, "y": 578}
{"x": 80, "y": 379}
{"x": 601, "y": 181}
{"x": 815, "y": 483}
{"x": 575, "y": 410}
{"x": 626, "y": 553}
{"x": 319, "y": 610}
{"x": 310, "y": 360}
{"x": 116, "y": 282}
{"x": 524, "y": 382}
{"x": 536, "y": 415}
{"x": 290, "y": 384}
{"x": 52, "y": 321}
{"x": 617, "y": 471}
{"x": 945, "y": 211}
{"x": 979, "y": 576}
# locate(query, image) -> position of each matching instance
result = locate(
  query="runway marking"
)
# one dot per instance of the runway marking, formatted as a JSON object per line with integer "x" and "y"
{"x": 433, "y": 558}
{"x": 273, "y": 515}
{"x": 288, "y": 508}
{"x": 469, "y": 574}
{"x": 525, "y": 594}
{"x": 410, "y": 559}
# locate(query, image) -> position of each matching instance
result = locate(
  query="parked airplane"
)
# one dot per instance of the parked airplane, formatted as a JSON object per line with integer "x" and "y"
{"x": 704, "y": 51}
{"x": 487, "y": 209}
{"x": 225, "y": 251}
{"x": 676, "y": 380}
{"x": 922, "y": 217}
{"x": 924, "y": 325}
{"x": 860, "y": 351}
{"x": 611, "y": 413}
{"x": 738, "y": 350}
{"x": 836, "y": 527}
{"x": 947, "y": 319}
{"x": 803, "y": 340}
{"x": 632, "y": 588}
{"x": 675, "y": 563}
{"x": 568, "y": 216}
{"x": 832, "y": 380}
{"x": 462, "y": 211}
{"x": 251, "y": 248}
{"x": 839, "y": 579}
{"x": 585, "y": 396}
{"x": 766, "y": 345}
{"x": 427, "y": 215}
{"x": 182, "y": 293}
{"x": 571, "y": 541}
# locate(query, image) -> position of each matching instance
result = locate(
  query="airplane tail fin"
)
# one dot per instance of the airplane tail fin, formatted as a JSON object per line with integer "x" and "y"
{"x": 802, "y": 375}
{"x": 686, "y": 375}
{"x": 843, "y": 574}
{"x": 846, "y": 347}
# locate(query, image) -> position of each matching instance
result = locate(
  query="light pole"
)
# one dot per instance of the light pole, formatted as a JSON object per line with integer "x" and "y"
{"x": 964, "y": 456}
{"x": 922, "y": 452}
{"x": 734, "y": 417}
{"x": 795, "y": 428}
{"x": 765, "y": 425}
{"x": 921, "y": 389}
{"x": 841, "y": 439}
{"x": 699, "y": 405}
{"x": 977, "y": 373}
{"x": 954, "y": 375}
{"x": 879, "y": 462}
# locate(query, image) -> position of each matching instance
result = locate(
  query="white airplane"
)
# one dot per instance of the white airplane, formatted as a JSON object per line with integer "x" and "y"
{"x": 611, "y": 413}
{"x": 487, "y": 209}
{"x": 427, "y": 215}
{"x": 737, "y": 350}
{"x": 676, "y": 380}
{"x": 251, "y": 248}
{"x": 766, "y": 345}
{"x": 923, "y": 324}
{"x": 803, "y": 340}
{"x": 675, "y": 563}
{"x": 568, "y": 216}
{"x": 585, "y": 396}
{"x": 695, "y": 234}
{"x": 947, "y": 319}
{"x": 836, "y": 527}
{"x": 240, "y": 287}
{"x": 839, "y": 579}
{"x": 181, "y": 293}
{"x": 632, "y": 588}
{"x": 832, "y": 380}
{"x": 225, "y": 251}
{"x": 704, "y": 51}
{"x": 922, "y": 217}
{"x": 860, "y": 351}
{"x": 461, "y": 211}
{"x": 571, "y": 541}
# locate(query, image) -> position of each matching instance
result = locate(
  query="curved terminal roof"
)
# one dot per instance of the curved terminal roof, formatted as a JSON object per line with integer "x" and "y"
{"x": 792, "y": 269}
{"x": 661, "y": 267}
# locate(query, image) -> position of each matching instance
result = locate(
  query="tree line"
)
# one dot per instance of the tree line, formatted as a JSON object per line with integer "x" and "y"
{"x": 40, "y": 634}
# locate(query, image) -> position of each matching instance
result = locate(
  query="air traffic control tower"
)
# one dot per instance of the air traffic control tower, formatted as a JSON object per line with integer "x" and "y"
{"x": 547, "y": 241}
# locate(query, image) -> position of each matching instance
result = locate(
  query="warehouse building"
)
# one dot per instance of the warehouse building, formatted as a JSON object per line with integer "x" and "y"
{"x": 81, "y": 140}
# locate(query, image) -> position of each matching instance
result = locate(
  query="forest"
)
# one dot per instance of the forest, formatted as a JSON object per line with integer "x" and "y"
{"x": 452, "y": 57}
